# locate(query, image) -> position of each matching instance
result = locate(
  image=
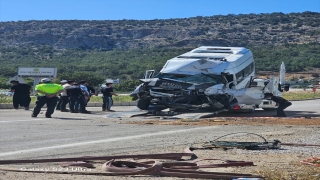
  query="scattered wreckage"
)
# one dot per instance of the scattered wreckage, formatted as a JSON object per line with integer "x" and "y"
{"x": 148, "y": 164}
{"x": 184, "y": 165}
{"x": 207, "y": 78}
{"x": 259, "y": 145}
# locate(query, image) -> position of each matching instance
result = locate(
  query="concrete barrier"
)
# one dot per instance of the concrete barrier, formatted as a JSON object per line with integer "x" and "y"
{"x": 6, "y": 106}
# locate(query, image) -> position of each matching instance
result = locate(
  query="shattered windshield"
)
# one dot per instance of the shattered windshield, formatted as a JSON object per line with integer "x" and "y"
{"x": 197, "y": 78}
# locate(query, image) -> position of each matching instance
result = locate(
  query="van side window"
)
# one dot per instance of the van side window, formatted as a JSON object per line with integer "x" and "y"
{"x": 245, "y": 72}
{"x": 230, "y": 79}
{"x": 239, "y": 76}
{"x": 248, "y": 70}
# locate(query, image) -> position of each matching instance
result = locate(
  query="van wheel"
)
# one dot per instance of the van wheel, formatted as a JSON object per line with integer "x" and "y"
{"x": 143, "y": 104}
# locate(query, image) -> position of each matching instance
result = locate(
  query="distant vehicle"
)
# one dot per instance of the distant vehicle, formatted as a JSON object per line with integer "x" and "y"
{"x": 295, "y": 86}
{"x": 310, "y": 86}
{"x": 6, "y": 93}
{"x": 317, "y": 86}
{"x": 10, "y": 93}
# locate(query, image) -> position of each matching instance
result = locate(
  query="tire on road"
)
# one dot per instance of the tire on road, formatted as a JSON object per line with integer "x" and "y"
{"x": 143, "y": 104}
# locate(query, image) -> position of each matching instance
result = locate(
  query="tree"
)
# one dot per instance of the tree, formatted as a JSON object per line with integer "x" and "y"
{"x": 93, "y": 80}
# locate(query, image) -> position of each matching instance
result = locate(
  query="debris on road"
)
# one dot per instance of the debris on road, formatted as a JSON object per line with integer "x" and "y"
{"x": 314, "y": 161}
{"x": 175, "y": 169}
{"x": 184, "y": 168}
{"x": 234, "y": 121}
{"x": 248, "y": 145}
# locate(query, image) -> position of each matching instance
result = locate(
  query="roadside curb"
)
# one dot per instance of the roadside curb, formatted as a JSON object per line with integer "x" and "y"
{"x": 10, "y": 106}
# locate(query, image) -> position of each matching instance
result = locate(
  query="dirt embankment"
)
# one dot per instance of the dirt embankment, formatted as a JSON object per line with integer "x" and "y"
{"x": 235, "y": 121}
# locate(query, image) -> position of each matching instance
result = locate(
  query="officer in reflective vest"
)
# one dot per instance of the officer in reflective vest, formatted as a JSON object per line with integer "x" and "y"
{"x": 47, "y": 94}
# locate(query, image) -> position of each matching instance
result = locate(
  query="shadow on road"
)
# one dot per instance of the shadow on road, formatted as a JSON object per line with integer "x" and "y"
{"x": 62, "y": 118}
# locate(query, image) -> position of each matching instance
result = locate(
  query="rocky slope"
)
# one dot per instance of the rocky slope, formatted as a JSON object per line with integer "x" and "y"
{"x": 230, "y": 30}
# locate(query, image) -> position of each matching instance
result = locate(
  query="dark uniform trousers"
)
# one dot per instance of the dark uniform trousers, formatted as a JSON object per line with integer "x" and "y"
{"x": 65, "y": 101}
{"x": 21, "y": 99}
{"x": 80, "y": 100}
{"x": 41, "y": 101}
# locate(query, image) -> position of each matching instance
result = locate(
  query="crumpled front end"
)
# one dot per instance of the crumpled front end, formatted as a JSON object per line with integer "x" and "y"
{"x": 198, "y": 79}
{"x": 175, "y": 92}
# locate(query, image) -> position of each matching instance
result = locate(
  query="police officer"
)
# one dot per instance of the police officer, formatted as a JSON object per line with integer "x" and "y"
{"x": 47, "y": 94}
{"x": 21, "y": 94}
{"x": 281, "y": 102}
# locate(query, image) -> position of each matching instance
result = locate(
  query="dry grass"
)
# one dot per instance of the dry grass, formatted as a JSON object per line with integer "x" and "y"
{"x": 297, "y": 172}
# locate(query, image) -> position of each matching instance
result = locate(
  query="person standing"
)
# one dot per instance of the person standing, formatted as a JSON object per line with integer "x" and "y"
{"x": 21, "y": 94}
{"x": 281, "y": 102}
{"x": 64, "y": 95}
{"x": 91, "y": 90}
{"x": 107, "y": 92}
{"x": 76, "y": 97}
{"x": 85, "y": 96}
{"x": 47, "y": 94}
{"x": 58, "y": 107}
{"x": 85, "y": 91}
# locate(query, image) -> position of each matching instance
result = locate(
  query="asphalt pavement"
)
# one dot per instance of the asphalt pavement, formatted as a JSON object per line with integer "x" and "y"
{"x": 74, "y": 135}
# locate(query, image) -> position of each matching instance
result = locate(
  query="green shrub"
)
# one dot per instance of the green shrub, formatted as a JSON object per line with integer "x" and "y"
{"x": 115, "y": 98}
{"x": 5, "y": 99}
{"x": 300, "y": 95}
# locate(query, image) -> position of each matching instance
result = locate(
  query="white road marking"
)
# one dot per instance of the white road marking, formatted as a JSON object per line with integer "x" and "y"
{"x": 12, "y": 121}
{"x": 105, "y": 140}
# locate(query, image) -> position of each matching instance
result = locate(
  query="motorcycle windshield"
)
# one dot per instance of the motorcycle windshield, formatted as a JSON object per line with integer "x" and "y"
{"x": 196, "y": 79}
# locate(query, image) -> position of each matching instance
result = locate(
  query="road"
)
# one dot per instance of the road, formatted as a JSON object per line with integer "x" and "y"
{"x": 73, "y": 135}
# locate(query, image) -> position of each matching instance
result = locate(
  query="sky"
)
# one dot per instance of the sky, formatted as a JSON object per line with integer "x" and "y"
{"x": 25, "y": 10}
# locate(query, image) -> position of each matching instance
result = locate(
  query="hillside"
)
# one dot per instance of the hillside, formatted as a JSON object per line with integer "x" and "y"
{"x": 124, "y": 49}
{"x": 230, "y": 30}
